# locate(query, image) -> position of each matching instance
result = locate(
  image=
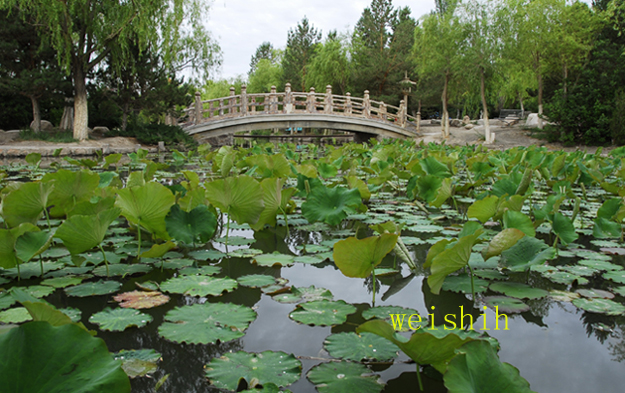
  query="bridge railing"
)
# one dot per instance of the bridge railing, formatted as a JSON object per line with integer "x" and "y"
{"x": 244, "y": 104}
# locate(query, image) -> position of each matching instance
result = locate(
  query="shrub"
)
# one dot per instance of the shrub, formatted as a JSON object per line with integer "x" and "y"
{"x": 151, "y": 134}
{"x": 57, "y": 135}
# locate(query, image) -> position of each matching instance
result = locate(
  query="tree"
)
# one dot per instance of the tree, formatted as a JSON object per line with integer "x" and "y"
{"x": 85, "y": 33}
{"x": 330, "y": 65}
{"x": 264, "y": 51}
{"x": 382, "y": 50}
{"x": 300, "y": 47}
{"x": 28, "y": 66}
{"x": 265, "y": 75}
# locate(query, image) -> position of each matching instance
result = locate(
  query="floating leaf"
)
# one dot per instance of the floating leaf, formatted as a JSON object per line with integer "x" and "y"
{"x": 158, "y": 250}
{"x": 141, "y": 299}
{"x": 73, "y": 313}
{"x": 203, "y": 255}
{"x": 256, "y": 280}
{"x": 121, "y": 269}
{"x": 308, "y": 294}
{"x": 595, "y": 293}
{"x": 309, "y": 259}
{"x": 206, "y": 323}
{"x": 616, "y": 276}
{"x": 119, "y": 319}
{"x": 506, "y": 305}
{"x": 344, "y": 377}
{"x": 462, "y": 283}
{"x": 62, "y": 282}
{"x": 139, "y": 362}
{"x": 322, "y": 312}
{"x": 358, "y": 347}
{"x": 563, "y": 296}
{"x": 15, "y": 315}
{"x": 518, "y": 290}
{"x": 199, "y": 285}
{"x": 565, "y": 278}
{"x": 601, "y": 306}
{"x": 68, "y": 359}
{"x": 279, "y": 368}
{"x": 201, "y": 271}
{"x": 274, "y": 259}
{"x": 93, "y": 288}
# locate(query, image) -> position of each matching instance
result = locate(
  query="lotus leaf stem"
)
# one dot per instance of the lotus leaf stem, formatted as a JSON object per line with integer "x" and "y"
{"x": 106, "y": 262}
{"x": 419, "y": 377}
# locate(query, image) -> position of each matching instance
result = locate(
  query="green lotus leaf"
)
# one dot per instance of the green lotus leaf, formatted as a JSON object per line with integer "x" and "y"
{"x": 489, "y": 274}
{"x": 566, "y": 278}
{"x": 477, "y": 368}
{"x": 15, "y": 315}
{"x": 67, "y": 359}
{"x": 609, "y": 208}
{"x": 584, "y": 271}
{"x": 484, "y": 209}
{"x": 68, "y": 271}
{"x": 518, "y": 220}
{"x": 120, "y": 319}
{"x": 528, "y": 251}
{"x": 31, "y": 244}
{"x": 600, "y": 306}
{"x": 432, "y": 166}
{"x": 330, "y": 205}
{"x": 6, "y": 300}
{"x": 506, "y": 305}
{"x": 8, "y": 237}
{"x": 518, "y": 290}
{"x": 322, "y": 312}
{"x": 563, "y": 296}
{"x": 93, "y": 288}
{"x": 563, "y": 227}
{"x": 462, "y": 283}
{"x": 428, "y": 186}
{"x": 33, "y": 158}
{"x": 176, "y": 263}
{"x": 235, "y": 241}
{"x": 256, "y": 280}
{"x": 196, "y": 226}
{"x": 158, "y": 250}
{"x": 206, "y": 323}
{"x": 604, "y": 229}
{"x": 238, "y": 197}
{"x": 358, "y": 347}
{"x": 595, "y": 293}
{"x": 275, "y": 199}
{"x": 450, "y": 260}
{"x": 344, "y": 377}
{"x": 70, "y": 188}
{"x": 279, "y": 368}
{"x": 74, "y": 314}
{"x": 327, "y": 171}
{"x": 616, "y": 276}
{"x": 147, "y": 206}
{"x": 501, "y": 242}
{"x": 38, "y": 291}
{"x": 617, "y": 290}
{"x": 304, "y": 294}
{"x": 309, "y": 259}
{"x": 87, "y": 208}
{"x": 82, "y": 233}
{"x": 200, "y": 271}
{"x": 358, "y": 257}
{"x": 139, "y": 362}
{"x": 273, "y": 259}
{"x": 384, "y": 312}
{"x": 433, "y": 347}
{"x": 121, "y": 269}
{"x": 204, "y": 255}
{"x": 245, "y": 253}
{"x": 199, "y": 285}
{"x": 355, "y": 183}
{"x": 27, "y": 203}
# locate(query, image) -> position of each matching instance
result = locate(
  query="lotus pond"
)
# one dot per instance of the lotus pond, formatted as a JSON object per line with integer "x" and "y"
{"x": 389, "y": 267}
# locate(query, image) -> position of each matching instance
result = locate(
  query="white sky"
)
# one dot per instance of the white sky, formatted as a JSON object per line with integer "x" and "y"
{"x": 240, "y": 26}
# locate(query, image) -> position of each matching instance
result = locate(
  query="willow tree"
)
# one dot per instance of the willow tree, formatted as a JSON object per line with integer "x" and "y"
{"x": 85, "y": 32}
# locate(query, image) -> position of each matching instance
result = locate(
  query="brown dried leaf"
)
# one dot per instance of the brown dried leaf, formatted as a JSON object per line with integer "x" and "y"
{"x": 141, "y": 299}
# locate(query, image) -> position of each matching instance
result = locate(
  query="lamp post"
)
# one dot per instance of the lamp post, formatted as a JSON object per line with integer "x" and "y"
{"x": 406, "y": 87}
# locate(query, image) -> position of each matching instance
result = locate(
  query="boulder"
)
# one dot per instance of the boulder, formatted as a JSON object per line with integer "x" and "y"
{"x": 469, "y": 126}
{"x": 532, "y": 120}
{"x": 99, "y": 131}
{"x": 466, "y": 120}
{"x": 9, "y": 136}
{"x": 435, "y": 121}
{"x": 455, "y": 123}
{"x": 45, "y": 125}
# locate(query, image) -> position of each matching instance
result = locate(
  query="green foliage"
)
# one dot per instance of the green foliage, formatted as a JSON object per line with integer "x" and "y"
{"x": 151, "y": 134}
{"x": 58, "y": 136}
{"x": 300, "y": 48}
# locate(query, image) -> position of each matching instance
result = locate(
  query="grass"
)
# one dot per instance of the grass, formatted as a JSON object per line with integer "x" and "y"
{"x": 59, "y": 136}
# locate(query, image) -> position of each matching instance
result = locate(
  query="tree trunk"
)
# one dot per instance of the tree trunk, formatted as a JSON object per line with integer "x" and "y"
{"x": 565, "y": 77}
{"x": 521, "y": 103}
{"x": 540, "y": 100}
{"x": 36, "y": 113}
{"x": 489, "y": 138}
{"x": 445, "y": 117}
{"x": 125, "y": 115}
{"x": 81, "y": 111}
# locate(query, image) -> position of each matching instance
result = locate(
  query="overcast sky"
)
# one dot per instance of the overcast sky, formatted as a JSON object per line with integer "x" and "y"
{"x": 240, "y": 26}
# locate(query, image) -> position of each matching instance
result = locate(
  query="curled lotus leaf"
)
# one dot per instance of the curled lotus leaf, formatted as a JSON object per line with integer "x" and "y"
{"x": 141, "y": 299}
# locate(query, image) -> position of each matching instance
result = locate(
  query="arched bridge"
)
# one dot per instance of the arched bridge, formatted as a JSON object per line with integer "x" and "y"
{"x": 246, "y": 112}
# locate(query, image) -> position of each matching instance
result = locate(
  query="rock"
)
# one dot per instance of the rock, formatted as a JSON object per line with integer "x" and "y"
{"x": 466, "y": 120}
{"x": 9, "y": 136}
{"x": 435, "y": 121}
{"x": 45, "y": 125}
{"x": 469, "y": 126}
{"x": 455, "y": 123}
{"x": 532, "y": 120}
{"x": 99, "y": 131}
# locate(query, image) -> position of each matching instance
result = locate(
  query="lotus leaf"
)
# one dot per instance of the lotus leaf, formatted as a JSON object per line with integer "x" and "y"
{"x": 595, "y": 293}
{"x": 275, "y": 199}
{"x": 309, "y": 259}
{"x": 32, "y": 269}
{"x": 15, "y": 315}
{"x": 584, "y": 271}
{"x": 279, "y": 368}
{"x": 322, "y": 312}
{"x": 70, "y": 188}
{"x": 203, "y": 255}
{"x": 330, "y": 205}
{"x": 274, "y": 259}
{"x": 93, "y": 288}
{"x": 68, "y": 360}
{"x": 490, "y": 274}
{"x": 245, "y": 253}
{"x": 198, "y": 225}
{"x": 518, "y": 290}
{"x": 506, "y": 305}
{"x": 119, "y": 319}
{"x": 484, "y": 209}
{"x": 308, "y": 294}
{"x": 503, "y": 241}
{"x": 158, "y": 250}
{"x": 566, "y": 278}
{"x": 235, "y": 240}
{"x": 563, "y": 296}
{"x": 200, "y": 271}
{"x": 238, "y": 197}
{"x": 601, "y": 306}
{"x": 67, "y": 271}
{"x": 528, "y": 251}
{"x": 450, "y": 260}
{"x": 206, "y": 323}
{"x": 121, "y": 269}
{"x": 358, "y": 257}
{"x": 256, "y": 280}
{"x": 617, "y": 290}
{"x": 344, "y": 377}
{"x": 616, "y": 276}
{"x": 477, "y": 368}
{"x": 462, "y": 283}
{"x": 358, "y": 347}
{"x": 8, "y": 237}
{"x": 141, "y": 299}
{"x": 199, "y": 285}
{"x": 384, "y": 312}
{"x": 82, "y": 233}
{"x": 27, "y": 203}
{"x": 38, "y": 291}
{"x": 6, "y": 300}
{"x": 139, "y": 362}
{"x": 563, "y": 228}
{"x": 518, "y": 220}
{"x": 176, "y": 263}
{"x": 147, "y": 207}
{"x": 604, "y": 229}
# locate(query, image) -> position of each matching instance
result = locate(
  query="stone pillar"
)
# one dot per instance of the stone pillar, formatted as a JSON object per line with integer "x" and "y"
{"x": 273, "y": 101}
{"x": 402, "y": 113}
{"x": 243, "y": 100}
{"x": 418, "y": 121}
{"x": 348, "y": 104}
{"x": 198, "y": 107}
{"x": 327, "y": 104}
{"x": 382, "y": 112}
{"x": 366, "y": 105}
{"x": 232, "y": 109}
{"x": 310, "y": 101}
{"x": 288, "y": 99}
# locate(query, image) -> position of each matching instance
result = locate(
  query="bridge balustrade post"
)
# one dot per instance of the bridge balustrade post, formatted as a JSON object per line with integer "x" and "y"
{"x": 382, "y": 111}
{"x": 232, "y": 109}
{"x": 366, "y": 105}
{"x": 327, "y": 104}
{"x": 198, "y": 107}
{"x": 273, "y": 101}
{"x": 243, "y": 100}
{"x": 348, "y": 104}
{"x": 210, "y": 109}
{"x": 221, "y": 108}
{"x": 310, "y": 101}
{"x": 288, "y": 99}
{"x": 253, "y": 105}
{"x": 402, "y": 113}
